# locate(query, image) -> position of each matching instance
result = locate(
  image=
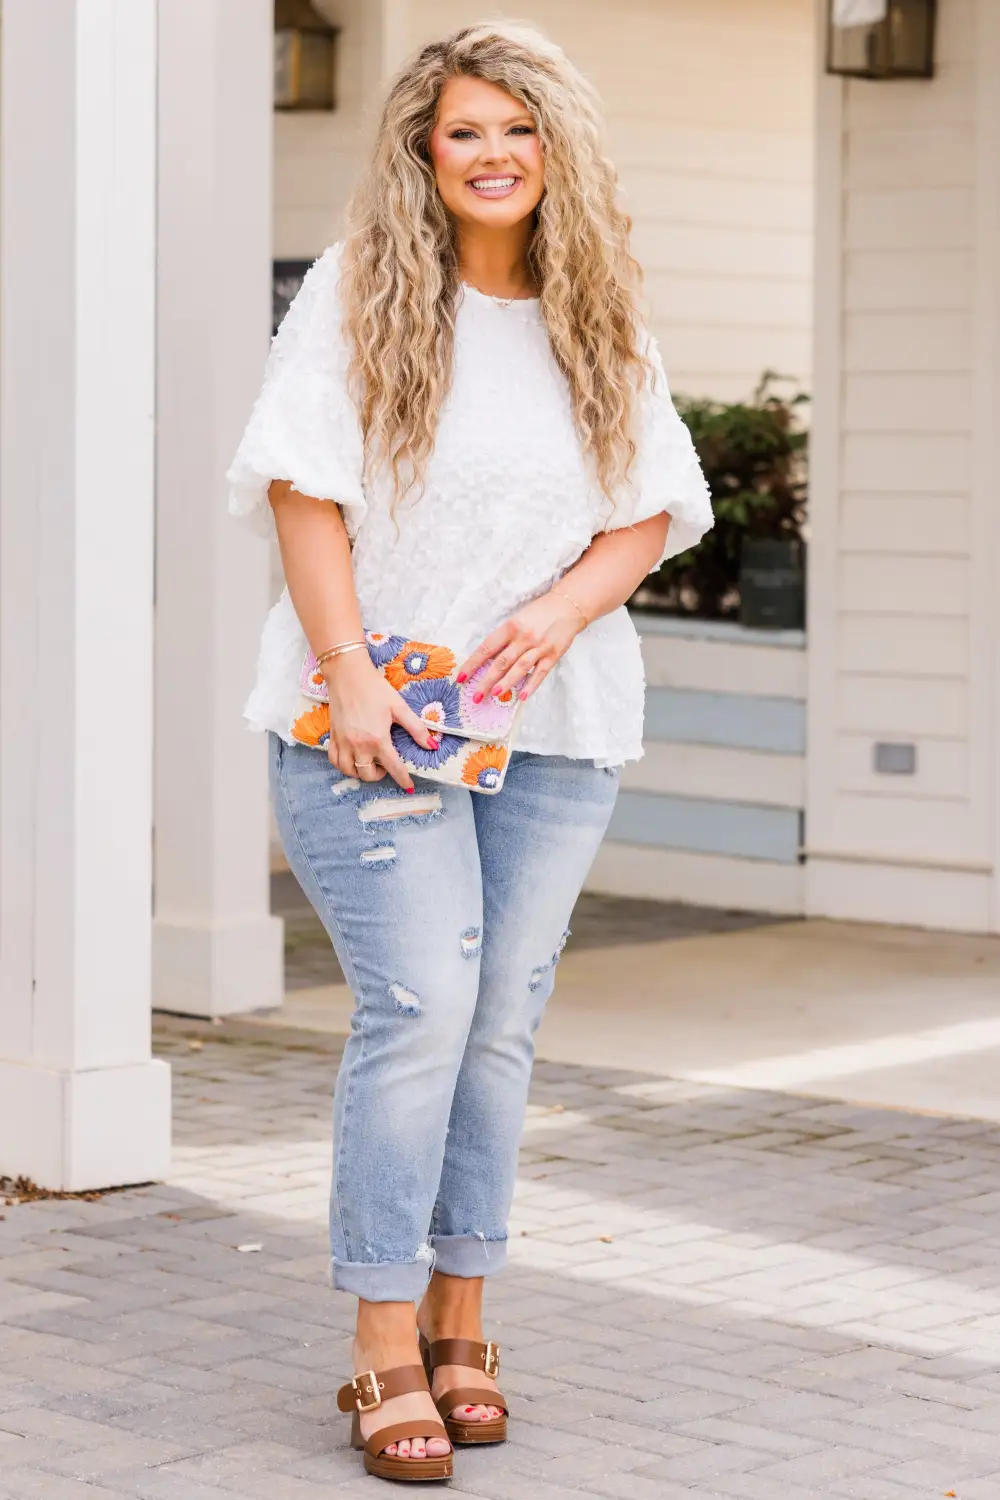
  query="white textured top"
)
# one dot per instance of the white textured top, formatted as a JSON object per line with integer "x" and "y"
{"x": 509, "y": 504}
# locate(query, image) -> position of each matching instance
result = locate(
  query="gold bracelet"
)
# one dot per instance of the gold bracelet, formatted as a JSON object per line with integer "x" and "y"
{"x": 560, "y": 595}
{"x": 343, "y": 647}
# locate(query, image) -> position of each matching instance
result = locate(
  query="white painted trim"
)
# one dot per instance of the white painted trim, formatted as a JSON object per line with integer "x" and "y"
{"x": 717, "y": 771}
{"x": 852, "y": 891}
{"x": 900, "y": 862}
{"x": 985, "y": 627}
{"x": 702, "y": 879}
{"x": 825, "y": 463}
{"x": 724, "y": 667}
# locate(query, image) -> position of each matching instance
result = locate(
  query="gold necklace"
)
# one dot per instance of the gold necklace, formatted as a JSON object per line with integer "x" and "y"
{"x": 500, "y": 301}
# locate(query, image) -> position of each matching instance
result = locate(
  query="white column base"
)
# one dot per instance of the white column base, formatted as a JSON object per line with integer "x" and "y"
{"x": 896, "y": 894}
{"x": 220, "y": 970}
{"x": 97, "y": 1128}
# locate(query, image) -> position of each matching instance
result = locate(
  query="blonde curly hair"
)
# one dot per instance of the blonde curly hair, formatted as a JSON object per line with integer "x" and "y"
{"x": 401, "y": 280}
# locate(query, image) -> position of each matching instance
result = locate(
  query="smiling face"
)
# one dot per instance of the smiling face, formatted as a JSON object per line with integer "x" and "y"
{"x": 486, "y": 153}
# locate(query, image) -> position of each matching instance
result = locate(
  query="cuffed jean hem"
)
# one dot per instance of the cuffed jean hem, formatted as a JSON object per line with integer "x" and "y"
{"x": 382, "y": 1281}
{"x": 468, "y": 1254}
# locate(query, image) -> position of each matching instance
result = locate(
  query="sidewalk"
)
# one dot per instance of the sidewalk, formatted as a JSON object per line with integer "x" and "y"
{"x": 877, "y": 1015}
{"x": 715, "y": 1292}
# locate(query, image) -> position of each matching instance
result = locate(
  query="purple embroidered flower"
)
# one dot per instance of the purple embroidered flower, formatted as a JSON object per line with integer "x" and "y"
{"x": 436, "y": 700}
{"x": 493, "y": 715}
{"x": 426, "y": 760}
{"x": 382, "y": 648}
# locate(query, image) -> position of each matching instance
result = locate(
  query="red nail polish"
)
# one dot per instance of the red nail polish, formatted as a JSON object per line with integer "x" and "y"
{"x": 497, "y": 691}
{"x": 523, "y": 697}
{"x": 477, "y": 697}
{"x": 462, "y": 677}
{"x": 409, "y": 790}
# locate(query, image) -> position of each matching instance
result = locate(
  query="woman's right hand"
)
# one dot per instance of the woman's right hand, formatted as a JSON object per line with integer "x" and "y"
{"x": 363, "y": 709}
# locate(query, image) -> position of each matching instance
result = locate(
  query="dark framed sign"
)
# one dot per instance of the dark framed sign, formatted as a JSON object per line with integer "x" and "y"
{"x": 286, "y": 278}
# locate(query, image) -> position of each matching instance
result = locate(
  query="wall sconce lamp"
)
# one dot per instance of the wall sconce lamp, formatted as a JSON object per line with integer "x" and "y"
{"x": 881, "y": 38}
{"x": 305, "y": 56}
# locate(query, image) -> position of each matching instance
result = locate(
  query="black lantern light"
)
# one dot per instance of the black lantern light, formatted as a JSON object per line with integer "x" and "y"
{"x": 304, "y": 57}
{"x": 881, "y": 38}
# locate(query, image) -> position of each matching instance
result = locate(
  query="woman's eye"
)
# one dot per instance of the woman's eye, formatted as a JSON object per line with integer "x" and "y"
{"x": 462, "y": 135}
{"x": 522, "y": 130}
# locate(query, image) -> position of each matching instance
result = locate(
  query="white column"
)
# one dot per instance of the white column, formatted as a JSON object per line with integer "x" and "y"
{"x": 216, "y": 947}
{"x": 82, "y": 1104}
{"x": 387, "y": 44}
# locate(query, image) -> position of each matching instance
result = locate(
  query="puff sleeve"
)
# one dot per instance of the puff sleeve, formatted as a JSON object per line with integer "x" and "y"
{"x": 304, "y": 425}
{"x": 666, "y": 474}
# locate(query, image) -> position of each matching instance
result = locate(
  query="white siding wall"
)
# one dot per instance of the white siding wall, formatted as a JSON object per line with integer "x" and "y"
{"x": 316, "y": 156}
{"x": 904, "y": 502}
{"x": 710, "y": 109}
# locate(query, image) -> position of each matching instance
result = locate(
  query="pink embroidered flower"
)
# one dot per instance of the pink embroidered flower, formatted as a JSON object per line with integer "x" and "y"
{"x": 493, "y": 715}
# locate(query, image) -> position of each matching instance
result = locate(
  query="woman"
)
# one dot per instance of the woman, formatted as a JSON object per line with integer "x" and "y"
{"x": 464, "y": 436}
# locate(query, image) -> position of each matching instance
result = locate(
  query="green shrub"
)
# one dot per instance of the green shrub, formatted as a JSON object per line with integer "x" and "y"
{"x": 754, "y": 457}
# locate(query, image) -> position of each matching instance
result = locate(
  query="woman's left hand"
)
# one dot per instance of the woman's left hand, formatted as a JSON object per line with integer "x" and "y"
{"x": 523, "y": 650}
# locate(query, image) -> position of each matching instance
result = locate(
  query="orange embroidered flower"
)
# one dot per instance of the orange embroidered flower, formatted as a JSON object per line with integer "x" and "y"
{"x": 313, "y": 728}
{"x": 418, "y": 661}
{"x": 484, "y": 767}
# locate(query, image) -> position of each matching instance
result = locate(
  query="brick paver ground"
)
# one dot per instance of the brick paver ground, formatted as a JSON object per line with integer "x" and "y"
{"x": 728, "y": 1295}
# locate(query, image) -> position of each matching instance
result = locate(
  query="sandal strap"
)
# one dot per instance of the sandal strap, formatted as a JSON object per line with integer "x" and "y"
{"x": 485, "y": 1357}
{"x": 369, "y": 1389}
{"x": 424, "y": 1427}
{"x": 470, "y": 1395}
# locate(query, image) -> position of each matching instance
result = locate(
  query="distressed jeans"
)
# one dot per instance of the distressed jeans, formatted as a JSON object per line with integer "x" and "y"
{"x": 448, "y": 912}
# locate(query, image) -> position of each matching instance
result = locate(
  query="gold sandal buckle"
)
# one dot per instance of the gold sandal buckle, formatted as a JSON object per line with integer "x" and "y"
{"x": 492, "y": 1360}
{"x": 370, "y": 1379}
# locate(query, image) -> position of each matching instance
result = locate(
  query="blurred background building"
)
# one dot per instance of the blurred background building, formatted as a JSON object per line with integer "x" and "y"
{"x": 841, "y": 230}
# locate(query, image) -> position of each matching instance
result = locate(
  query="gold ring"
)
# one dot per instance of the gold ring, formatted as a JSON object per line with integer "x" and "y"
{"x": 362, "y": 765}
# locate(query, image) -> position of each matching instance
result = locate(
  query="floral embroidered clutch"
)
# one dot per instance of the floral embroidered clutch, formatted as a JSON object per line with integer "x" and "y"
{"x": 475, "y": 738}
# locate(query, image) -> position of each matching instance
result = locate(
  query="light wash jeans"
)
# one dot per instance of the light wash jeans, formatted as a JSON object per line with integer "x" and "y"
{"x": 448, "y": 911}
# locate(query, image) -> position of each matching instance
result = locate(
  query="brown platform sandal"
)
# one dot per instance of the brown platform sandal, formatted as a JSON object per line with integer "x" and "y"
{"x": 485, "y": 1357}
{"x": 367, "y": 1391}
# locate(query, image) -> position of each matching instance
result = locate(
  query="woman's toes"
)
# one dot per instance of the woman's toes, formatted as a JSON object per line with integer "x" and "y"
{"x": 391, "y": 1450}
{"x": 403, "y": 1448}
{"x": 418, "y": 1448}
{"x": 473, "y": 1413}
{"x": 437, "y": 1447}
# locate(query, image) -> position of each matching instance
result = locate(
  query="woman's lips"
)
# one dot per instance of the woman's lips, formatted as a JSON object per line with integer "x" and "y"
{"x": 496, "y": 186}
